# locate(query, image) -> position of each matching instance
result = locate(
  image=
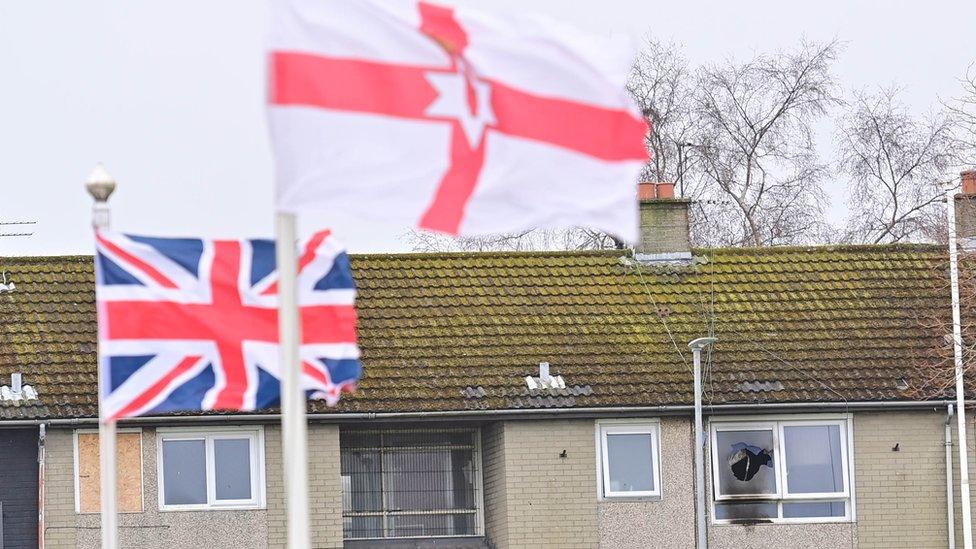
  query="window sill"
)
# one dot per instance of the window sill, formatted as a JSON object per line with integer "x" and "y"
{"x": 631, "y": 499}
{"x": 212, "y": 508}
{"x": 781, "y": 522}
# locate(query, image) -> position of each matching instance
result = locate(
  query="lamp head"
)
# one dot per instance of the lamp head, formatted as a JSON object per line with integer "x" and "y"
{"x": 702, "y": 342}
{"x": 100, "y": 184}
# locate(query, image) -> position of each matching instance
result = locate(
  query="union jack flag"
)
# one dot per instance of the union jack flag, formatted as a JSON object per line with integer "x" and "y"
{"x": 191, "y": 324}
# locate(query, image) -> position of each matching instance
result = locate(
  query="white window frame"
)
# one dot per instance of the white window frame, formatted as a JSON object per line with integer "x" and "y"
{"x": 255, "y": 435}
{"x": 650, "y": 427}
{"x": 778, "y": 423}
{"x": 745, "y": 426}
{"x": 76, "y": 465}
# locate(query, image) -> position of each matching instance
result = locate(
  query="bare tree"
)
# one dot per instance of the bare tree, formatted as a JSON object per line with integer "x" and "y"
{"x": 529, "y": 240}
{"x": 661, "y": 85}
{"x": 962, "y": 111}
{"x": 745, "y": 133}
{"x": 934, "y": 369}
{"x": 898, "y": 165}
{"x": 754, "y": 140}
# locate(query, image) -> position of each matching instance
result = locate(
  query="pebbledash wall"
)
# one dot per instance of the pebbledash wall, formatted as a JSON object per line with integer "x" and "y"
{"x": 537, "y": 496}
{"x": 244, "y": 529}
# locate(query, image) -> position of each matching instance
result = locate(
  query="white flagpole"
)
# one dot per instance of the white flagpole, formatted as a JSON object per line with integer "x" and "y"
{"x": 100, "y": 186}
{"x": 967, "y": 519}
{"x": 294, "y": 433}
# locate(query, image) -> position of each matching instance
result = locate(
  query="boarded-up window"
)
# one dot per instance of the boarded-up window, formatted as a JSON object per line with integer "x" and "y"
{"x": 129, "y": 467}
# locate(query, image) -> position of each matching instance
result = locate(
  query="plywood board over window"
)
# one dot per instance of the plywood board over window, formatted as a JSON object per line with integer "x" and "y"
{"x": 128, "y": 465}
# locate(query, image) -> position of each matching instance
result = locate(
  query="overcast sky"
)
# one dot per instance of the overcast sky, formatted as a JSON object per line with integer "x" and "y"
{"x": 169, "y": 95}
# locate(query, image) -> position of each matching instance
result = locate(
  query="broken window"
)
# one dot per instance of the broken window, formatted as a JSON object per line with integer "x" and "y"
{"x": 747, "y": 466}
{"x": 776, "y": 470}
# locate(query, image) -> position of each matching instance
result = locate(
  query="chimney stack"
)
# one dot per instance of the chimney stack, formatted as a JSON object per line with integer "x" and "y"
{"x": 664, "y": 226}
{"x": 965, "y": 205}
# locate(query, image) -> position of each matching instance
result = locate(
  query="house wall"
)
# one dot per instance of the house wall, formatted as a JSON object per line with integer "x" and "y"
{"x": 665, "y": 522}
{"x": 493, "y": 474}
{"x": 18, "y": 487}
{"x": 65, "y": 528}
{"x": 324, "y": 496}
{"x": 775, "y": 536}
{"x": 535, "y": 498}
{"x": 550, "y": 501}
{"x": 901, "y": 495}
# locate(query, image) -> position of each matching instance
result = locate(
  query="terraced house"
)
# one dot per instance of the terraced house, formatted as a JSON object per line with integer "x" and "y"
{"x": 529, "y": 400}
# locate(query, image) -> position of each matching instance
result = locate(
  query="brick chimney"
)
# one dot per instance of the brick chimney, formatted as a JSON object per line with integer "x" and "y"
{"x": 664, "y": 226}
{"x": 966, "y": 211}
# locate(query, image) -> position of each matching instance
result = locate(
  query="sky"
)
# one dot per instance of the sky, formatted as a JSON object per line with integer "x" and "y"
{"x": 169, "y": 96}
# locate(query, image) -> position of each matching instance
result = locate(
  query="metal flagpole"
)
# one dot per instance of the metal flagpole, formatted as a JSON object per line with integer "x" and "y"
{"x": 967, "y": 518}
{"x": 294, "y": 433}
{"x": 100, "y": 186}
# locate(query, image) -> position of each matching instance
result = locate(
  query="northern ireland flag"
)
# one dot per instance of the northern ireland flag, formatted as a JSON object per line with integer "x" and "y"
{"x": 451, "y": 119}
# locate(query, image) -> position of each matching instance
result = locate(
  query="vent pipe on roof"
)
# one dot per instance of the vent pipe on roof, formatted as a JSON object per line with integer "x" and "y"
{"x": 16, "y": 384}
{"x": 544, "y": 372}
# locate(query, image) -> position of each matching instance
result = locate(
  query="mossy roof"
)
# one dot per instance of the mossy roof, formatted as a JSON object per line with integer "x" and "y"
{"x": 460, "y": 331}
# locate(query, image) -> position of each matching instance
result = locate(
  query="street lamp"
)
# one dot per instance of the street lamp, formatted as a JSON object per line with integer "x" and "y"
{"x": 100, "y": 186}
{"x": 696, "y": 348}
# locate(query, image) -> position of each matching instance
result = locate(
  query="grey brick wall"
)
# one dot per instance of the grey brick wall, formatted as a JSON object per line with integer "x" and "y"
{"x": 495, "y": 490}
{"x": 901, "y": 496}
{"x": 325, "y": 490}
{"x": 549, "y": 501}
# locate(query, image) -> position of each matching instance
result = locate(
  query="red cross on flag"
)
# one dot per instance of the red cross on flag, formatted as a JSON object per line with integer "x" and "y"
{"x": 451, "y": 120}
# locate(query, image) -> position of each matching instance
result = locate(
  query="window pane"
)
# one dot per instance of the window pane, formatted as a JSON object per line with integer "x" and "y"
{"x": 232, "y": 468}
{"x": 630, "y": 462}
{"x": 362, "y": 527}
{"x": 813, "y": 509}
{"x": 184, "y": 472}
{"x": 745, "y": 462}
{"x": 813, "y": 459}
{"x": 429, "y": 479}
{"x": 402, "y": 526}
{"x": 745, "y": 511}
{"x": 363, "y": 491}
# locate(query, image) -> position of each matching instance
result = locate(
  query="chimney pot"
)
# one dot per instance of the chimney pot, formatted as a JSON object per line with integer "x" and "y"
{"x": 968, "y": 181}
{"x": 655, "y": 191}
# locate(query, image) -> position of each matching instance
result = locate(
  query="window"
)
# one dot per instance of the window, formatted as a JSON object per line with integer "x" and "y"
{"x": 781, "y": 471}
{"x": 410, "y": 483}
{"x": 128, "y": 461}
{"x": 211, "y": 469}
{"x": 628, "y": 459}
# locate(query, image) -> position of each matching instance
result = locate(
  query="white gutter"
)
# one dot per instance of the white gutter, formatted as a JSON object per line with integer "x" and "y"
{"x": 948, "y": 452}
{"x": 41, "y": 463}
{"x": 646, "y": 411}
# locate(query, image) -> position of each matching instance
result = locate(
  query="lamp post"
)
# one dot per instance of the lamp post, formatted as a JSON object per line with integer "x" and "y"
{"x": 100, "y": 186}
{"x": 702, "y": 533}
